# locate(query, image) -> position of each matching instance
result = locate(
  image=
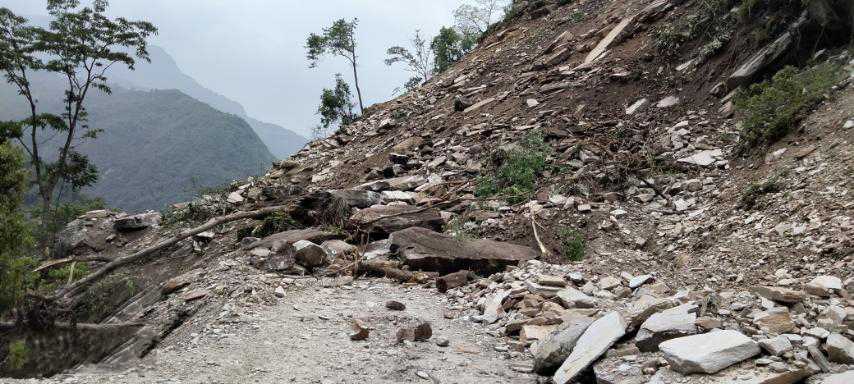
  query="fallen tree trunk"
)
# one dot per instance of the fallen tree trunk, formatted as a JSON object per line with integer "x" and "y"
{"x": 81, "y": 284}
{"x": 386, "y": 269}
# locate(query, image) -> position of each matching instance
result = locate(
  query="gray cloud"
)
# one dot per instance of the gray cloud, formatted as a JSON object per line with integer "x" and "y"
{"x": 252, "y": 50}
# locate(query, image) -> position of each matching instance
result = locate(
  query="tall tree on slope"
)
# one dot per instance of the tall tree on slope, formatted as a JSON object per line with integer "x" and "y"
{"x": 81, "y": 44}
{"x": 337, "y": 40}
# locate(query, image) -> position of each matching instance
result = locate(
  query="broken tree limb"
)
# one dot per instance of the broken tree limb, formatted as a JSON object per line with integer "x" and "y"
{"x": 386, "y": 269}
{"x": 81, "y": 284}
{"x": 543, "y": 249}
{"x": 60, "y": 262}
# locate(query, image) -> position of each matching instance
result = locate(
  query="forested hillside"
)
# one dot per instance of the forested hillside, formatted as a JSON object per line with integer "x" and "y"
{"x": 158, "y": 147}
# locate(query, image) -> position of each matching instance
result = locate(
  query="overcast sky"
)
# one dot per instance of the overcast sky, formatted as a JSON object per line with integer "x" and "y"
{"x": 252, "y": 50}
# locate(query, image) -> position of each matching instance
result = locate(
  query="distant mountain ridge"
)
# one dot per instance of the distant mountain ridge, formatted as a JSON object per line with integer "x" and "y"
{"x": 158, "y": 146}
{"x": 163, "y": 72}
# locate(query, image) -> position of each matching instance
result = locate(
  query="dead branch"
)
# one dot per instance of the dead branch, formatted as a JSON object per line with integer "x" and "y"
{"x": 388, "y": 270}
{"x": 543, "y": 249}
{"x": 60, "y": 262}
{"x": 81, "y": 284}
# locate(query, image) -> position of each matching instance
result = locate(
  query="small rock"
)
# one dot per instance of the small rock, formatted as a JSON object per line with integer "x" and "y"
{"x": 667, "y": 102}
{"x": 776, "y": 346}
{"x": 395, "y": 305}
{"x": 360, "y": 330}
{"x": 824, "y": 286}
{"x": 419, "y": 332}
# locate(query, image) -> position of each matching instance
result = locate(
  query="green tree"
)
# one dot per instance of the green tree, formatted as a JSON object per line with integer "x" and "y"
{"x": 336, "y": 106}
{"x": 418, "y": 60}
{"x": 449, "y": 46}
{"x": 15, "y": 240}
{"x": 337, "y": 40}
{"x": 81, "y": 44}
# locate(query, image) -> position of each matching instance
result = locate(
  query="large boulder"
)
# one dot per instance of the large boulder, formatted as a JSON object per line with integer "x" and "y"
{"x": 310, "y": 255}
{"x": 385, "y": 219}
{"x": 596, "y": 340}
{"x": 136, "y": 222}
{"x": 840, "y": 349}
{"x": 708, "y": 353}
{"x": 663, "y": 326}
{"x": 550, "y": 352}
{"x": 426, "y": 250}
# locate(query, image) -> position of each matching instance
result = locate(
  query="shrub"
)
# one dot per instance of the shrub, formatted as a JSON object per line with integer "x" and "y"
{"x": 711, "y": 22}
{"x": 754, "y": 191}
{"x": 274, "y": 223}
{"x": 772, "y": 108}
{"x": 515, "y": 179}
{"x": 16, "y": 242}
{"x": 19, "y": 354}
{"x": 572, "y": 244}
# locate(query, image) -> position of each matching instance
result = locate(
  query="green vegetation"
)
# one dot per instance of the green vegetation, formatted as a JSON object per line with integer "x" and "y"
{"x": 577, "y": 16}
{"x": 418, "y": 60}
{"x": 457, "y": 227}
{"x": 516, "y": 177}
{"x": 18, "y": 355}
{"x": 336, "y": 107}
{"x": 572, "y": 244}
{"x": 336, "y": 40}
{"x": 15, "y": 238}
{"x": 771, "y": 109}
{"x": 449, "y": 46}
{"x": 752, "y": 193}
{"x": 60, "y": 276}
{"x": 80, "y": 45}
{"x": 712, "y": 22}
{"x": 178, "y": 139}
{"x": 275, "y": 223}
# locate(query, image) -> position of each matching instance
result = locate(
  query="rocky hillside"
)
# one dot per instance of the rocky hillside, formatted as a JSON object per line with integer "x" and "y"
{"x": 580, "y": 199}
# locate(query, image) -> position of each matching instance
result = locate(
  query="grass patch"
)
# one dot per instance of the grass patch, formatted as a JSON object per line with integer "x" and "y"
{"x": 572, "y": 244}
{"x": 771, "y": 109}
{"x": 711, "y": 22}
{"x": 516, "y": 177}
{"x": 752, "y": 193}
{"x": 60, "y": 276}
{"x": 19, "y": 354}
{"x": 274, "y": 223}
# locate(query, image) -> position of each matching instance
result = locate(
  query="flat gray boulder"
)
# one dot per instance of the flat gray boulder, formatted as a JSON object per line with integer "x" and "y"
{"x": 596, "y": 340}
{"x": 426, "y": 250}
{"x": 385, "y": 219}
{"x": 550, "y": 352}
{"x": 663, "y": 326}
{"x": 573, "y": 298}
{"x": 840, "y": 349}
{"x": 708, "y": 353}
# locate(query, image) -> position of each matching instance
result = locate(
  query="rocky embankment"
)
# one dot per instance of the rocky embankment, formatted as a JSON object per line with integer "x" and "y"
{"x": 649, "y": 250}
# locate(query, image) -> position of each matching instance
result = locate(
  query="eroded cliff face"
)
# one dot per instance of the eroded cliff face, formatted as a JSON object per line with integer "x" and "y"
{"x": 576, "y": 185}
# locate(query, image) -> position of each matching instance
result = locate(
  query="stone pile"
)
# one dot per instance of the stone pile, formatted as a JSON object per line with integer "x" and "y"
{"x": 639, "y": 330}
